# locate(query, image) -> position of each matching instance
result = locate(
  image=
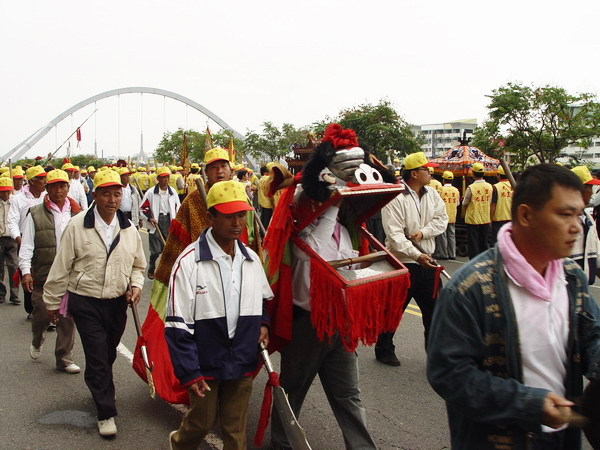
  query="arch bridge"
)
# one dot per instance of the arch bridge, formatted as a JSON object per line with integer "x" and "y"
{"x": 21, "y": 149}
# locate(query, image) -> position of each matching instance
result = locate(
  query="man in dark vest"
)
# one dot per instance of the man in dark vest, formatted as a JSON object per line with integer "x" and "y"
{"x": 39, "y": 243}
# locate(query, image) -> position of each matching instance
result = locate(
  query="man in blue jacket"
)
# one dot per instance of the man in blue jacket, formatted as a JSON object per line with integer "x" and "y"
{"x": 516, "y": 329}
{"x": 215, "y": 320}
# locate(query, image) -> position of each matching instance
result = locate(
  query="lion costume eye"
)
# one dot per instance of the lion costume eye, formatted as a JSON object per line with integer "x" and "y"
{"x": 365, "y": 174}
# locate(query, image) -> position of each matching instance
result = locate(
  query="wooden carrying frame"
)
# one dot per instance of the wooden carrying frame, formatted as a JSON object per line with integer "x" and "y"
{"x": 362, "y": 308}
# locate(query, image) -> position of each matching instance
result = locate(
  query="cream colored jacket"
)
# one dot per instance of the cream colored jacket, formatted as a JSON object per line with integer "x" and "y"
{"x": 402, "y": 217}
{"x": 83, "y": 265}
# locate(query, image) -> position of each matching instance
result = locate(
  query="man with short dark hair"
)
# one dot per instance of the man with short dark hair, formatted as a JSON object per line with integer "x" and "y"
{"x": 516, "y": 329}
{"x": 265, "y": 202}
{"x": 416, "y": 215}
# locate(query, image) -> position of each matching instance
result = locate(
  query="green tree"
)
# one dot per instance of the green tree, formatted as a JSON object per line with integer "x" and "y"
{"x": 169, "y": 148}
{"x": 274, "y": 143}
{"x": 537, "y": 123}
{"x": 381, "y": 129}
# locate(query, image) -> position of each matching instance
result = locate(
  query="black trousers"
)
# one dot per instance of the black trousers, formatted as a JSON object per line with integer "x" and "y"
{"x": 421, "y": 289}
{"x": 100, "y": 323}
{"x": 265, "y": 216}
{"x": 495, "y": 228}
{"x": 478, "y": 239}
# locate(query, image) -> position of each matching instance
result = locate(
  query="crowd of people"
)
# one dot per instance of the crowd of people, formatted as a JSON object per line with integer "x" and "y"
{"x": 508, "y": 338}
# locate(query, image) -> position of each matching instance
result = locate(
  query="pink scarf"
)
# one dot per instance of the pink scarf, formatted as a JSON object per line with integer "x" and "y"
{"x": 522, "y": 272}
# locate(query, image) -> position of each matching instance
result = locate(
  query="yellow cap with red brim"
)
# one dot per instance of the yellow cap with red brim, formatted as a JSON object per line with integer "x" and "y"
{"x": 228, "y": 197}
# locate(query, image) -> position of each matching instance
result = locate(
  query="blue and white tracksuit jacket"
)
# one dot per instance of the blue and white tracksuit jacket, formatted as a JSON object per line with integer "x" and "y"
{"x": 196, "y": 320}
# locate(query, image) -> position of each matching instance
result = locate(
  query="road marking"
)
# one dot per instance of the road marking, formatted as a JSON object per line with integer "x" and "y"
{"x": 211, "y": 438}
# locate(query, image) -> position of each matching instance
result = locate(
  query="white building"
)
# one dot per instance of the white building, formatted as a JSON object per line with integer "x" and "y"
{"x": 585, "y": 155}
{"x": 441, "y": 137}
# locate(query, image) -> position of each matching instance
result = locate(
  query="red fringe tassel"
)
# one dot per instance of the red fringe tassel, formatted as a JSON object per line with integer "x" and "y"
{"x": 265, "y": 410}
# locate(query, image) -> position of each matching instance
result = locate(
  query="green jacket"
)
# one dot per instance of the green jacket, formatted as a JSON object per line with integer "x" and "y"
{"x": 474, "y": 359}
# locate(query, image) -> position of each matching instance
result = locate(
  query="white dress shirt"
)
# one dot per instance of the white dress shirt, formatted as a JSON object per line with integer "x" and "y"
{"x": 231, "y": 279}
{"x": 106, "y": 231}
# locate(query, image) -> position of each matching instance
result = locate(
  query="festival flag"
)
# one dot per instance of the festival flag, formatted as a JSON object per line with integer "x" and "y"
{"x": 231, "y": 150}
{"x": 208, "y": 142}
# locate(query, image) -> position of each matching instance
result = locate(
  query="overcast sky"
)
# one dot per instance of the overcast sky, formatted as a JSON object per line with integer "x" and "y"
{"x": 280, "y": 61}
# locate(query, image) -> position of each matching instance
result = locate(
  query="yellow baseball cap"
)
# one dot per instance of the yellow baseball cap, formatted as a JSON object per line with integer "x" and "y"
{"x": 56, "y": 176}
{"x": 478, "y": 167}
{"x": 584, "y": 175}
{"x": 6, "y": 184}
{"x": 195, "y": 166}
{"x": 123, "y": 171}
{"x": 91, "y": 169}
{"x": 448, "y": 175}
{"x": 501, "y": 170}
{"x": 107, "y": 178}
{"x": 4, "y": 169}
{"x": 228, "y": 197}
{"x": 18, "y": 173}
{"x": 68, "y": 166}
{"x": 416, "y": 160}
{"x": 152, "y": 169}
{"x": 35, "y": 171}
{"x": 216, "y": 154}
{"x": 163, "y": 171}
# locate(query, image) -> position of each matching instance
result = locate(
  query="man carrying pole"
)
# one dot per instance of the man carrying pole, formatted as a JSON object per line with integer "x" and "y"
{"x": 159, "y": 206}
{"x": 418, "y": 214}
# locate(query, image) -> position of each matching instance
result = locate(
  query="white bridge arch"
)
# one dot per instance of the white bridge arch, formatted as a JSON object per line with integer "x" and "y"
{"x": 22, "y": 148}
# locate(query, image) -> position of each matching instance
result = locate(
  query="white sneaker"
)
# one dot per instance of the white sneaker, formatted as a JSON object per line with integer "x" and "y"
{"x": 34, "y": 352}
{"x": 107, "y": 427}
{"x": 71, "y": 368}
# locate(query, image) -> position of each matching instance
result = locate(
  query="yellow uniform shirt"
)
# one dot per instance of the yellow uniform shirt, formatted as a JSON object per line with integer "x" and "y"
{"x": 450, "y": 195}
{"x": 478, "y": 209}
{"x": 503, "y": 201}
{"x": 436, "y": 185}
{"x": 263, "y": 190}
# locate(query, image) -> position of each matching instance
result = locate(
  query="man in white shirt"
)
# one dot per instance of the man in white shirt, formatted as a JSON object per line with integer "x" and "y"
{"x": 130, "y": 202}
{"x": 418, "y": 214}
{"x": 18, "y": 176}
{"x": 33, "y": 194}
{"x": 8, "y": 246}
{"x": 40, "y": 241}
{"x": 159, "y": 206}
{"x": 76, "y": 191}
{"x": 516, "y": 329}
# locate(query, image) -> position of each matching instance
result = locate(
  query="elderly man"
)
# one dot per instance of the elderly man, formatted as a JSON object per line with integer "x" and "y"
{"x": 100, "y": 265}
{"x": 8, "y": 246}
{"x": 42, "y": 231}
{"x": 76, "y": 191}
{"x": 416, "y": 215}
{"x": 130, "y": 202}
{"x": 516, "y": 330}
{"x": 159, "y": 206}
{"x": 33, "y": 194}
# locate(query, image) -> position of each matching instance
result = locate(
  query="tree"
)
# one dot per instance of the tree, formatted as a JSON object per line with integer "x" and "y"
{"x": 381, "y": 129}
{"x": 274, "y": 143}
{"x": 169, "y": 148}
{"x": 537, "y": 123}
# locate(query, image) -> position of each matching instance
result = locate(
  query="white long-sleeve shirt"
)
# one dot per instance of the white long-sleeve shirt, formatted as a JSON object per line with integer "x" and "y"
{"x": 20, "y": 204}
{"x": 61, "y": 219}
{"x": 320, "y": 237}
{"x": 407, "y": 214}
{"x": 77, "y": 193}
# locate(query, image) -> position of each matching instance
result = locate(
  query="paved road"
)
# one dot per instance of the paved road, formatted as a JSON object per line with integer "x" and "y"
{"x": 41, "y": 408}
